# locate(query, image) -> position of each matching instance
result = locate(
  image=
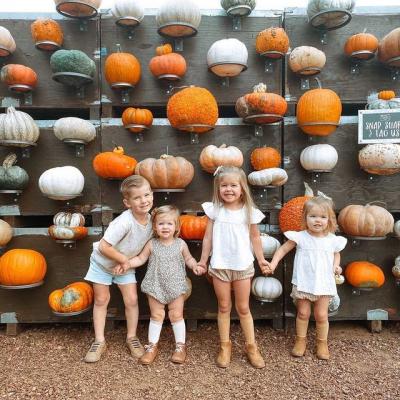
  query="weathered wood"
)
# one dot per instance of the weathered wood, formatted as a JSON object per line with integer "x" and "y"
{"x": 12, "y": 329}
{"x": 375, "y": 326}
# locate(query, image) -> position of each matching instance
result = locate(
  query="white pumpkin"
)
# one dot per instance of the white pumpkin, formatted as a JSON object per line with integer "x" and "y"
{"x": 129, "y": 12}
{"x": 77, "y": 9}
{"x": 7, "y": 43}
{"x": 306, "y": 60}
{"x": 69, "y": 219}
{"x": 178, "y": 18}
{"x": 396, "y": 268}
{"x": 266, "y": 289}
{"x": 238, "y": 7}
{"x": 268, "y": 177}
{"x": 211, "y": 157}
{"x": 6, "y": 233}
{"x": 74, "y": 128}
{"x": 18, "y": 126}
{"x": 61, "y": 183}
{"x": 380, "y": 158}
{"x": 269, "y": 245}
{"x": 396, "y": 229}
{"x": 319, "y": 157}
{"x": 339, "y": 279}
{"x": 227, "y": 57}
{"x": 334, "y": 304}
{"x": 333, "y": 17}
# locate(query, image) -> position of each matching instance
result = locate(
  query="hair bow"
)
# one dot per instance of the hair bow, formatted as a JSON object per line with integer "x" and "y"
{"x": 324, "y": 195}
{"x": 217, "y": 170}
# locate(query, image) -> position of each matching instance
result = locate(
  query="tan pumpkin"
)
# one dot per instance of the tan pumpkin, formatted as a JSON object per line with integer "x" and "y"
{"x": 389, "y": 48}
{"x": 137, "y": 116}
{"x": 265, "y": 157}
{"x": 7, "y": 43}
{"x": 306, "y": 60}
{"x": 168, "y": 172}
{"x": 78, "y": 8}
{"x": 77, "y": 296}
{"x": 211, "y": 157}
{"x": 122, "y": 68}
{"x": 365, "y": 221}
{"x": 380, "y": 158}
{"x": 18, "y": 77}
{"x": 273, "y": 41}
{"x": 6, "y": 233}
{"x": 47, "y": 34}
{"x": 75, "y": 129}
{"x": 361, "y": 46}
{"x": 268, "y": 177}
{"x": 166, "y": 64}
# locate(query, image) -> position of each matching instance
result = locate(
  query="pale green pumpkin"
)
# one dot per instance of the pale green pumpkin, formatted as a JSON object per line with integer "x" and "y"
{"x": 12, "y": 177}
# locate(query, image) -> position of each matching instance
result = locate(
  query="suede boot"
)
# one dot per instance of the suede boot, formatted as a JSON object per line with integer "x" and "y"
{"x": 224, "y": 356}
{"x": 254, "y": 356}
{"x": 301, "y": 338}
{"x": 322, "y": 340}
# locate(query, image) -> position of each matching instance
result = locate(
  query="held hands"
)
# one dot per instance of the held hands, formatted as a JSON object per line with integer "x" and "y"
{"x": 199, "y": 269}
{"x": 267, "y": 268}
{"x": 120, "y": 269}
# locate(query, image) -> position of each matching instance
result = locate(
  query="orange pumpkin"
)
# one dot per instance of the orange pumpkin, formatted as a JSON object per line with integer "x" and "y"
{"x": 265, "y": 157}
{"x": 272, "y": 39}
{"x": 318, "y": 111}
{"x": 14, "y": 75}
{"x": 167, "y": 65}
{"x": 122, "y": 68}
{"x": 168, "y": 172}
{"x": 137, "y": 116}
{"x": 192, "y": 106}
{"x": 261, "y": 102}
{"x": 363, "y": 274}
{"x": 361, "y": 42}
{"x": 22, "y": 267}
{"x": 290, "y": 216}
{"x": 193, "y": 227}
{"x": 386, "y": 94}
{"x": 77, "y": 296}
{"x": 47, "y": 34}
{"x": 114, "y": 164}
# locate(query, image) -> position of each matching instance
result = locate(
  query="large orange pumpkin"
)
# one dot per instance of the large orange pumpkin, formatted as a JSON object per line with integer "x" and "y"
{"x": 166, "y": 64}
{"x": 77, "y": 296}
{"x": 272, "y": 40}
{"x": 261, "y": 102}
{"x": 318, "y": 112}
{"x": 16, "y": 74}
{"x": 47, "y": 34}
{"x": 193, "y": 227}
{"x": 363, "y": 274}
{"x": 192, "y": 106}
{"x": 265, "y": 157}
{"x": 114, "y": 164}
{"x": 362, "y": 43}
{"x": 137, "y": 116}
{"x": 290, "y": 216}
{"x": 122, "y": 68}
{"x": 22, "y": 267}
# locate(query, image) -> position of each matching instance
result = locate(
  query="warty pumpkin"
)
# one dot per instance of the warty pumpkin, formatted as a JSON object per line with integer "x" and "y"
{"x": 7, "y": 43}
{"x": 122, "y": 68}
{"x": 18, "y": 77}
{"x": 273, "y": 40}
{"x": 77, "y": 296}
{"x": 365, "y": 275}
{"x": 380, "y": 158}
{"x": 166, "y": 64}
{"x": 47, "y": 34}
{"x": 211, "y": 157}
{"x": 114, "y": 164}
{"x": 12, "y": 177}
{"x": 361, "y": 46}
{"x": 137, "y": 116}
{"x": 6, "y": 233}
{"x": 265, "y": 157}
{"x": 193, "y": 227}
{"x": 168, "y": 172}
{"x": 22, "y": 267}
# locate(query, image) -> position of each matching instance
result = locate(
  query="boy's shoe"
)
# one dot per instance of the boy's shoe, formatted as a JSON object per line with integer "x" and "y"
{"x": 135, "y": 347}
{"x": 179, "y": 355}
{"x": 95, "y": 352}
{"x": 254, "y": 356}
{"x": 150, "y": 354}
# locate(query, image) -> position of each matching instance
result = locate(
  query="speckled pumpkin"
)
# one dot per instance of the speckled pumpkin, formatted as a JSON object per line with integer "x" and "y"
{"x": 76, "y": 296}
{"x": 380, "y": 158}
{"x": 272, "y": 39}
{"x": 47, "y": 30}
{"x": 265, "y": 157}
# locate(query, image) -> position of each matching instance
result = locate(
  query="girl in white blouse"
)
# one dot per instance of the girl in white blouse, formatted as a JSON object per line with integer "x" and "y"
{"x": 316, "y": 262}
{"x": 232, "y": 236}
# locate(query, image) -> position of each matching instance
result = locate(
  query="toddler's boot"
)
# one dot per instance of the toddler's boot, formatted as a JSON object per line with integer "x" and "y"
{"x": 224, "y": 356}
{"x": 150, "y": 354}
{"x": 322, "y": 340}
{"x": 254, "y": 355}
{"x": 301, "y": 338}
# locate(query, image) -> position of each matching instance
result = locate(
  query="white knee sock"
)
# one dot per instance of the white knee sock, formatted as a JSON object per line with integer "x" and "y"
{"x": 154, "y": 331}
{"x": 179, "y": 329}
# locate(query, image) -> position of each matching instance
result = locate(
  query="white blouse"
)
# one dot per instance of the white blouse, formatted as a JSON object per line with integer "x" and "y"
{"x": 313, "y": 263}
{"x": 231, "y": 245}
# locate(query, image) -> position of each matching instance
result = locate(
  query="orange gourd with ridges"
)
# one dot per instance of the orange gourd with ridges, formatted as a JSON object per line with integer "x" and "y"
{"x": 193, "y": 227}
{"x": 137, "y": 116}
{"x": 265, "y": 157}
{"x": 122, "y": 68}
{"x": 361, "y": 42}
{"x": 363, "y": 274}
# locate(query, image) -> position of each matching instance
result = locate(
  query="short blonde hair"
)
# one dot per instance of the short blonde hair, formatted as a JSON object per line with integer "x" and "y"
{"x": 168, "y": 209}
{"x": 326, "y": 205}
{"x": 132, "y": 182}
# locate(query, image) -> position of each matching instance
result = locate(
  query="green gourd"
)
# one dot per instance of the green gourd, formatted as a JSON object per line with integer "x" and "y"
{"x": 12, "y": 177}
{"x": 72, "y": 61}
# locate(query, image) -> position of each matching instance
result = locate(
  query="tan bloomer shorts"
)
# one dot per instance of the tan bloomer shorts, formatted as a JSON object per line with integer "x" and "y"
{"x": 229, "y": 275}
{"x": 299, "y": 295}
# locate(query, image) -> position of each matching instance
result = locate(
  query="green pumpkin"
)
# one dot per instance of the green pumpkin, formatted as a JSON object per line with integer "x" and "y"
{"x": 12, "y": 177}
{"x": 72, "y": 61}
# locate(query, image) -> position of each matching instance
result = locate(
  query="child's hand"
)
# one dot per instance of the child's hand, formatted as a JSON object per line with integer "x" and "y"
{"x": 118, "y": 270}
{"x": 199, "y": 270}
{"x": 264, "y": 266}
{"x": 338, "y": 270}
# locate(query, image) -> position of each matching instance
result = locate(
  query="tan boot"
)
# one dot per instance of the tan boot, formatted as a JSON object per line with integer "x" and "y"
{"x": 322, "y": 329}
{"x": 254, "y": 355}
{"x": 301, "y": 338}
{"x": 179, "y": 355}
{"x": 150, "y": 354}
{"x": 224, "y": 356}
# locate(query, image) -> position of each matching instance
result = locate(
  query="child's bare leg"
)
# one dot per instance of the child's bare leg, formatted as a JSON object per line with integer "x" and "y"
{"x": 322, "y": 327}
{"x": 302, "y": 318}
{"x": 101, "y": 300}
{"x": 129, "y": 295}
{"x": 175, "y": 314}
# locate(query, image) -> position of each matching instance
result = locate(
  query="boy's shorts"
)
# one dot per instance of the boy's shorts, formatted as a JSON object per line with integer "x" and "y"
{"x": 97, "y": 275}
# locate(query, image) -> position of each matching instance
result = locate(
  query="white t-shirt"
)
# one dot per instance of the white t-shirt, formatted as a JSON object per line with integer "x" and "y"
{"x": 313, "y": 263}
{"x": 231, "y": 246}
{"x": 126, "y": 235}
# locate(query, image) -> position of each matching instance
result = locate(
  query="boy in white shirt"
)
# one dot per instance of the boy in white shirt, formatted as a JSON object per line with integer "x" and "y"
{"x": 124, "y": 238}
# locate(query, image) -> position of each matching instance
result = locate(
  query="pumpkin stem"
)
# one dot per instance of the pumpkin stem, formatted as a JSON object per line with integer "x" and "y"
{"x": 164, "y": 156}
{"x": 223, "y": 146}
{"x": 260, "y": 88}
{"x": 10, "y": 160}
{"x": 371, "y": 203}
{"x": 308, "y": 191}
{"x": 365, "y": 30}
{"x": 10, "y": 110}
{"x": 318, "y": 82}
{"x": 118, "y": 149}
{"x": 118, "y": 48}
{"x": 181, "y": 87}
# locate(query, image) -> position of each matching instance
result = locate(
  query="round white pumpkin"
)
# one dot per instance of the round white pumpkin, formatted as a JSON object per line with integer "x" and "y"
{"x": 61, "y": 183}
{"x": 227, "y": 57}
{"x": 72, "y": 128}
{"x": 306, "y": 60}
{"x": 69, "y": 219}
{"x": 268, "y": 177}
{"x": 332, "y": 17}
{"x": 266, "y": 289}
{"x": 7, "y": 43}
{"x": 396, "y": 228}
{"x": 380, "y": 158}
{"x": 269, "y": 245}
{"x": 211, "y": 157}
{"x": 319, "y": 157}
{"x": 128, "y": 9}
{"x": 334, "y": 304}
{"x": 6, "y": 233}
{"x": 18, "y": 126}
{"x": 339, "y": 279}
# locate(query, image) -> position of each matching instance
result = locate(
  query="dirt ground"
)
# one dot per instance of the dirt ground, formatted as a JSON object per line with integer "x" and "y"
{"x": 45, "y": 362}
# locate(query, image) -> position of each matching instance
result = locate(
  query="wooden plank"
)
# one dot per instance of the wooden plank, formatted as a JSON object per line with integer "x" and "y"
{"x": 150, "y": 91}
{"x": 336, "y": 75}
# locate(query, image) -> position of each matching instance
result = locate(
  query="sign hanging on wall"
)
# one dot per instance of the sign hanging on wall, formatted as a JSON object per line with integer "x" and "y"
{"x": 377, "y": 126}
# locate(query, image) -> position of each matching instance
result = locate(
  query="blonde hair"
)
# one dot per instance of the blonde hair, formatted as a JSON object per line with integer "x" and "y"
{"x": 132, "y": 182}
{"x": 169, "y": 209}
{"x": 326, "y": 205}
{"x": 223, "y": 171}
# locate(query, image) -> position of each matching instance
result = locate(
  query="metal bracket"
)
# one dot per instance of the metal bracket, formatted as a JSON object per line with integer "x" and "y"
{"x": 377, "y": 315}
{"x": 8, "y": 318}
{"x": 178, "y": 44}
{"x": 237, "y": 23}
